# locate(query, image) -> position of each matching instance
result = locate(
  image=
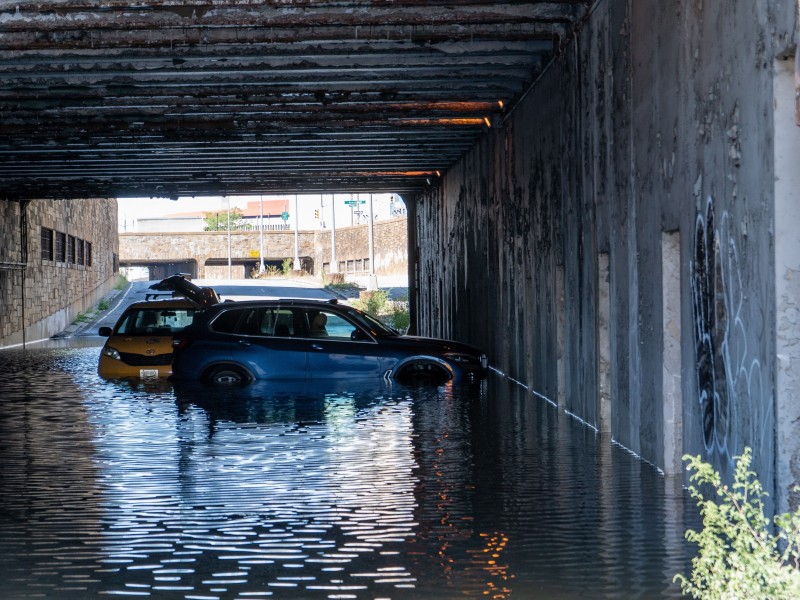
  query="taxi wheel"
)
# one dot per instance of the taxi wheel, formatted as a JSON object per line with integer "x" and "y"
{"x": 226, "y": 375}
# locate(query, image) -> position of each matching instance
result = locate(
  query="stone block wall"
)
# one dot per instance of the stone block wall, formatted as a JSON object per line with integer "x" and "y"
{"x": 55, "y": 290}
{"x": 390, "y": 239}
{"x": 550, "y": 244}
{"x": 209, "y": 249}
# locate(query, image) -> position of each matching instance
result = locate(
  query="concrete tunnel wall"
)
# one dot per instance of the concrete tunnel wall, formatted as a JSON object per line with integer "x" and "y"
{"x": 611, "y": 244}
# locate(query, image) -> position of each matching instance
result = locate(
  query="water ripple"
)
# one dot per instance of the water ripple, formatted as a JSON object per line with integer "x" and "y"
{"x": 305, "y": 490}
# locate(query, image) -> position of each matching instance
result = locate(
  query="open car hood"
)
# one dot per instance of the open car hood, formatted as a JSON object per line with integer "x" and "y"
{"x": 178, "y": 284}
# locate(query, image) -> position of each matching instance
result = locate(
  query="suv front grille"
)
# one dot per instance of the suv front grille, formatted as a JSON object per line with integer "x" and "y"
{"x": 140, "y": 360}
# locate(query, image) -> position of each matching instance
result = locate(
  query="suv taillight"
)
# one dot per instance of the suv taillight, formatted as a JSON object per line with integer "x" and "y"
{"x": 180, "y": 341}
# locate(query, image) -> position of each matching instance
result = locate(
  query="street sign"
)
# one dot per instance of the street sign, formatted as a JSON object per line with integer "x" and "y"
{"x": 354, "y": 202}
{"x": 285, "y": 216}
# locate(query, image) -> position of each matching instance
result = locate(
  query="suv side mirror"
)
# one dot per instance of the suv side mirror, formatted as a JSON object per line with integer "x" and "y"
{"x": 358, "y": 335}
{"x": 104, "y": 331}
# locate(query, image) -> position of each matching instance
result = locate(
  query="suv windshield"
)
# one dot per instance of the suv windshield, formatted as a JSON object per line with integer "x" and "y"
{"x": 149, "y": 321}
{"x": 370, "y": 323}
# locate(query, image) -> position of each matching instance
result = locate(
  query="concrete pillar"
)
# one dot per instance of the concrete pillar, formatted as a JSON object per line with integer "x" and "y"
{"x": 671, "y": 351}
{"x": 787, "y": 287}
{"x": 410, "y": 202}
{"x": 604, "y": 341}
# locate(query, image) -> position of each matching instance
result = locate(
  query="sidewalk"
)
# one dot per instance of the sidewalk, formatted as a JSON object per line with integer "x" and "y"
{"x": 91, "y": 316}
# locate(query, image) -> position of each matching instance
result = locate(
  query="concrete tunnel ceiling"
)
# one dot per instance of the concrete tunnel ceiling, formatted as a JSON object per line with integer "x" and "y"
{"x": 126, "y": 98}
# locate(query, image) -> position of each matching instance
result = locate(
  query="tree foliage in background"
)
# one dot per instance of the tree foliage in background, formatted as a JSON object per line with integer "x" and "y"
{"x": 738, "y": 555}
{"x": 218, "y": 221}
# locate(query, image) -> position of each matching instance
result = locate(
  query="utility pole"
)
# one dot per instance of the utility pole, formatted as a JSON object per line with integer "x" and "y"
{"x": 230, "y": 267}
{"x": 334, "y": 262}
{"x": 296, "y": 236}
{"x": 373, "y": 281}
{"x": 261, "y": 267}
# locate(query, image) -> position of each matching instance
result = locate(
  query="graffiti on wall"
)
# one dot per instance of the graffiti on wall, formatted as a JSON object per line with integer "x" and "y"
{"x": 731, "y": 388}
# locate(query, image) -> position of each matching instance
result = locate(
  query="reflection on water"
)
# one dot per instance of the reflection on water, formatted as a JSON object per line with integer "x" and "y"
{"x": 309, "y": 490}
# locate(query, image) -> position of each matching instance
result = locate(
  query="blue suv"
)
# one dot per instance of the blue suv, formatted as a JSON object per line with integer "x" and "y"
{"x": 239, "y": 342}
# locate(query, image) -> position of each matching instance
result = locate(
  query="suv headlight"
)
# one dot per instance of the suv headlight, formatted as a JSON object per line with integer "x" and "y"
{"x": 458, "y": 357}
{"x": 112, "y": 353}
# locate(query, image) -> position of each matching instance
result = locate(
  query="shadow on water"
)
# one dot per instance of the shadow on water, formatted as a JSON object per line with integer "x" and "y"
{"x": 318, "y": 490}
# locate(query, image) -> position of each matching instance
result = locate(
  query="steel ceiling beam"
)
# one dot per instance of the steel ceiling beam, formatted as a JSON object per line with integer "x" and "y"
{"x": 177, "y": 97}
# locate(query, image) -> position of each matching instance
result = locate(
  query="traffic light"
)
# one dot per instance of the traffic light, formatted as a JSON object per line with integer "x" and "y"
{"x": 316, "y": 213}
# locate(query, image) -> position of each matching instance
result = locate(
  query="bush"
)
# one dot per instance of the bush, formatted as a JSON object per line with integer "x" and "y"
{"x": 738, "y": 556}
{"x": 121, "y": 283}
{"x": 399, "y": 317}
{"x": 372, "y": 303}
{"x": 334, "y": 279}
{"x": 269, "y": 271}
{"x": 103, "y": 304}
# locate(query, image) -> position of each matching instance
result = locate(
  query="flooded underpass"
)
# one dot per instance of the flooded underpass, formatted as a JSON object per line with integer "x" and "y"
{"x": 300, "y": 490}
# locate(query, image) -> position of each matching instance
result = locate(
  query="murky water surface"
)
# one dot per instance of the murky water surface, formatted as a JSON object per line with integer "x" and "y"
{"x": 117, "y": 489}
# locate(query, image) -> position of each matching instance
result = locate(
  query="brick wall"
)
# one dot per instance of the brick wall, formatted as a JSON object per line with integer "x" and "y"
{"x": 56, "y": 287}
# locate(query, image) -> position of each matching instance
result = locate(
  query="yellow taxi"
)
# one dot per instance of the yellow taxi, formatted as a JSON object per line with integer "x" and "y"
{"x": 140, "y": 344}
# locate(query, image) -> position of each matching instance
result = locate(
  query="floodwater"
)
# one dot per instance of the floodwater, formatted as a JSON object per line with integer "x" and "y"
{"x": 143, "y": 490}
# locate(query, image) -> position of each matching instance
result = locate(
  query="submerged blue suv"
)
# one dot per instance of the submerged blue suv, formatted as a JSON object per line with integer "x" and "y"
{"x": 238, "y": 342}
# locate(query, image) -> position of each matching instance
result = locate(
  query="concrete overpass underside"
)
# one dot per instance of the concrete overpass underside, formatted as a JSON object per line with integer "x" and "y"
{"x": 602, "y": 194}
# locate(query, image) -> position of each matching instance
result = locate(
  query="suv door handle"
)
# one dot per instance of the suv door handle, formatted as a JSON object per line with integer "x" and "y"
{"x": 244, "y": 343}
{"x": 316, "y": 347}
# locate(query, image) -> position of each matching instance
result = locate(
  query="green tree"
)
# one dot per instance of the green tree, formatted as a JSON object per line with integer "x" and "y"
{"x": 218, "y": 221}
{"x": 739, "y": 557}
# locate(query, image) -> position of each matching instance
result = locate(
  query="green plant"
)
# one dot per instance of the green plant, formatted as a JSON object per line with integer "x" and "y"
{"x": 399, "y": 317}
{"x": 372, "y": 303}
{"x": 121, "y": 283}
{"x": 334, "y": 279}
{"x": 286, "y": 267}
{"x": 738, "y": 556}
{"x": 103, "y": 304}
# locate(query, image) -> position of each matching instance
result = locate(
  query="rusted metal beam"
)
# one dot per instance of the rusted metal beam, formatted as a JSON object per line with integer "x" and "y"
{"x": 185, "y": 97}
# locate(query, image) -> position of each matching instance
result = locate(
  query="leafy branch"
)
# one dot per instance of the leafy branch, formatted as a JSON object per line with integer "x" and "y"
{"x": 738, "y": 555}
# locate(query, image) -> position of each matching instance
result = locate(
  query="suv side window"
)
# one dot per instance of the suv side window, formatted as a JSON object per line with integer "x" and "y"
{"x": 266, "y": 321}
{"x": 226, "y": 321}
{"x": 281, "y": 322}
{"x": 323, "y": 323}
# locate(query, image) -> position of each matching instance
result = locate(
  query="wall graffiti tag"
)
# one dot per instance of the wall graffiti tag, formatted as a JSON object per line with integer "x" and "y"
{"x": 729, "y": 375}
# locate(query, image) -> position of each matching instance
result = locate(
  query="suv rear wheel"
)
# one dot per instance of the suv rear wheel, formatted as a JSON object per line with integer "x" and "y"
{"x": 226, "y": 375}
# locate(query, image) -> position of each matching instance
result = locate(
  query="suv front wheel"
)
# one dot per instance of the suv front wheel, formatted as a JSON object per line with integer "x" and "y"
{"x": 422, "y": 372}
